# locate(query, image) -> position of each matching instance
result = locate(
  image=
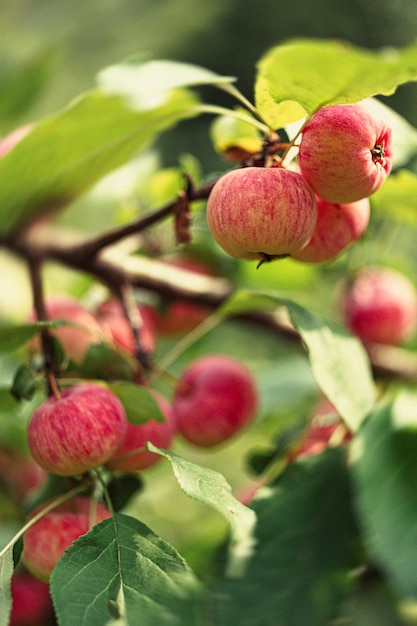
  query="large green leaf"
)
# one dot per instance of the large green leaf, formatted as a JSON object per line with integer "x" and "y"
{"x": 210, "y": 487}
{"x": 339, "y": 362}
{"x": 305, "y": 545}
{"x": 67, "y": 153}
{"x": 385, "y": 474}
{"x": 315, "y": 73}
{"x": 6, "y": 572}
{"x": 122, "y": 573}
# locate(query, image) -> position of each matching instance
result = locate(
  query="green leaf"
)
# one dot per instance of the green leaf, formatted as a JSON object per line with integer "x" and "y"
{"x": 146, "y": 84}
{"x": 308, "y": 72}
{"x": 64, "y": 155}
{"x": 338, "y": 360}
{"x": 396, "y": 198}
{"x": 306, "y": 541}
{"x": 210, "y": 487}
{"x": 385, "y": 476}
{"x": 6, "y": 572}
{"x": 339, "y": 363}
{"x": 230, "y": 132}
{"x": 24, "y": 383}
{"x": 122, "y": 573}
{"x": 139, "y": 403}
{"x": 13, "y": 337}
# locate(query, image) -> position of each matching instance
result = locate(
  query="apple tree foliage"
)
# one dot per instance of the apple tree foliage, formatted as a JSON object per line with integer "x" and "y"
{"x": 329, "y": 538}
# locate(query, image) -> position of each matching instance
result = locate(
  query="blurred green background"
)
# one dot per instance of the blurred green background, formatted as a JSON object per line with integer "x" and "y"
{"x": 68, "y": 42}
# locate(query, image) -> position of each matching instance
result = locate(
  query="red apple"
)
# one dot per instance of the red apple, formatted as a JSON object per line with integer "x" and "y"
{"x": 346, "y": 152}
{"x": 338, "y": 225}
{"x": 116, "y": 327}
{"x": 216, "y": 396}
{"x": 75, "y": 339}
{"x": 137, "y": 435}
{"x": 46, "y": 541}
{"x": 380, "y": 305}
{"x": 79, "y": 431}
{"x": 258, "y": 212}
{"x": 180, "y": 316}
{"x": 20, "y": 472}
{"x": 32, "y": 603}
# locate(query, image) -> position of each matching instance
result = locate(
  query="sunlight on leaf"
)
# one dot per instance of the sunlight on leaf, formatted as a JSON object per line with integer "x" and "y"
{"x": 211, "y": 488}
{"x": 308, "y": 72}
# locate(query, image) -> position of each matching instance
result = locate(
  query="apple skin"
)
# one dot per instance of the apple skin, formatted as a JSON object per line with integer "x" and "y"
{"x": 137, "y": 435}
{"x": 216, "y": 396}
{"x": 380, "y": 306}
{"x": 74, "y": 340}
{"x": 339, "y": 148}
{"x": 46, "y": 541}
{"x": 116, "y": 327}
{"x": 338, "y": 225}
{"x": 32, "y": 603}
{"x": 180, "y": 316}
{"x": 78, "y": 432}
{"x": 258, "y": 211}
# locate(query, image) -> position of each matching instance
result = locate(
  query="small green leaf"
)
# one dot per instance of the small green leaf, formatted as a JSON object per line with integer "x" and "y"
{"x": 24, "y": 383}
{"x": 230, "y": 132}
{"x": 308, "y": 72}
{"x": 121, "y": 568}
{"x": 210, "y": 487}
{"x": 103, "y": 361}
{"x": 139, "y": 403}
{"x": 13, "y": 337}
{"x": 6, "y": 572}
{"x": 385, "y": 477}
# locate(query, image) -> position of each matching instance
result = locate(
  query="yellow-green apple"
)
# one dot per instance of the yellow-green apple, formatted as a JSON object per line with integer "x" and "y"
{"x": 137, "y": 435}
{"x": 78, "y": 431}
{"x": 261, "y": 212}
{"x": 345, "y": 152}
{"x": 75, "y": 338}
{"x": 338, "y": 225}
{"x": 45, "y": 542}
{"x": 31, "y": 600}
{"x": 380, "y": 305}
{"x": 216, "y": 396}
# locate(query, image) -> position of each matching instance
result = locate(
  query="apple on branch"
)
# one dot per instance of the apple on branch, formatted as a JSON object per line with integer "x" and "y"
{"x": 345, "y": 152}
{"x": 261, "y": 212}
{"x": 78, "y": 431}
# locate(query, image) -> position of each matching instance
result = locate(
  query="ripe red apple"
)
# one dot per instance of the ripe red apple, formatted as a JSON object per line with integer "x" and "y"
{"x": 380, "y": 305}
{"x": 180, "y": 316}
{"x": 76, "y": 339}
{"x": 258, "y": 212}
{"x": 137, "y": 435}
{"x": 338, "y": 225}
{"x": 20, "y": 472}
{"x": 216, "y": 396}
{"x": 116, "y": 327}
{"x": 46, "y": 541}
{"x": 79, "y": 431}
{"x": 31, "y": 600}
{"x": 346, "y": 152}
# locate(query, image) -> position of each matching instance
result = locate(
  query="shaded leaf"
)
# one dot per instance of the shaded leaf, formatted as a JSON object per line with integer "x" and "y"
{"x": 385, "y": 475}
{"x": 210, "y": 487}
{"x": 307, "y": 71}
{"x": 24, "y": 383}
{"x": 121, "y": 570}
{"x": 13, "y": 337}
{"x": 139, "y": 403}
{"x": 306, "y": 539}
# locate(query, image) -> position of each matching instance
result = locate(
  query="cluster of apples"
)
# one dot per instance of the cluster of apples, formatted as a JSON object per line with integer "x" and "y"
{"x": 85, "y": 425}
{"x": 317, "y": 208}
